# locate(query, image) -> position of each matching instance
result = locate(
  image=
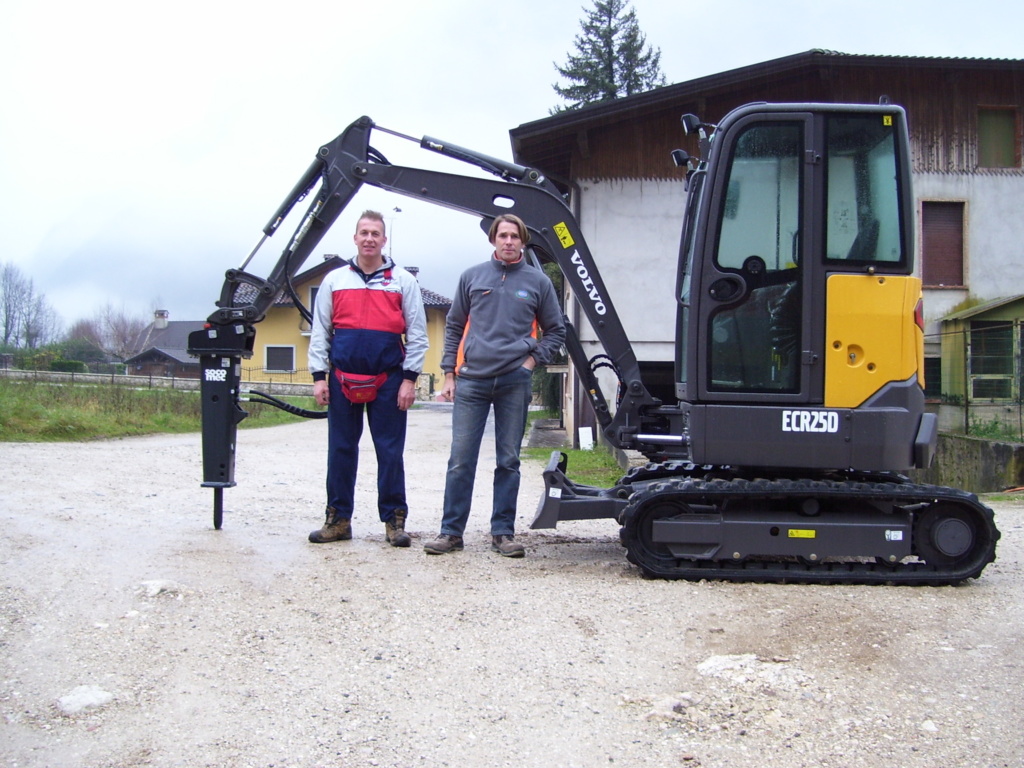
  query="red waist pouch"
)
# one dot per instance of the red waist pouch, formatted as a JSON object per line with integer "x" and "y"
{"x": 359, "y": 387}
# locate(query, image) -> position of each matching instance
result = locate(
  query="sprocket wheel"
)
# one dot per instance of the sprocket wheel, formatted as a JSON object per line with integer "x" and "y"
{"x": 946, "y": 534}
{"x": 637, "y": 536}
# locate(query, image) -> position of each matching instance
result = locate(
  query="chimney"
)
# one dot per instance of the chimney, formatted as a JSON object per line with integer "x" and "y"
{"x": 160, "y": 319}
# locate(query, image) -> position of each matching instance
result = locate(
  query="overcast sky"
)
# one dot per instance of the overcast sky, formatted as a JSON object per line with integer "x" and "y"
{"x": 143, "y": 146}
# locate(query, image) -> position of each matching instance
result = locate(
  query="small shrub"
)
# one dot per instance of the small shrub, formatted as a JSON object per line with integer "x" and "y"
{"x": 994, "y": 429}
{"x": 68, "y": 366}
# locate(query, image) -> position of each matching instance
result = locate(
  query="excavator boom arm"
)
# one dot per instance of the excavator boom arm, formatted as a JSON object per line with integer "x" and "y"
{"x": 341, "y": 167}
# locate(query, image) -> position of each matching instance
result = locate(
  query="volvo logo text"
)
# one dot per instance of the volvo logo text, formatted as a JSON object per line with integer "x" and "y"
{"x": 588, "y": 284}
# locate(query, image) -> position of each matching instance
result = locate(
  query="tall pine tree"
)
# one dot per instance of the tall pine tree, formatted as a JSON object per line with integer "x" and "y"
{"x": 611, "y": 59}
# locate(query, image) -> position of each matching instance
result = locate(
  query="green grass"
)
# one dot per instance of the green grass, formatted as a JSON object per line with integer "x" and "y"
{"x": 596, "y": 467}
{"x": 1001, "y": 496}
{"x": 994, "y": 430}
{"x": 533, "y": 415}
{"x": 41, "y": 412}
{"x": 44, "y": 412}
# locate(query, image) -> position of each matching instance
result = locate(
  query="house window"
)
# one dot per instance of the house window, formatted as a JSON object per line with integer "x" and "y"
{"x": 998, "y": 146}
{"x": 991, "y": 360}
{"x": 304, "y": 327}
{"x": 942, "y": 258}
{"x": 281, "y": 359}
{"x": 933, "y": 378}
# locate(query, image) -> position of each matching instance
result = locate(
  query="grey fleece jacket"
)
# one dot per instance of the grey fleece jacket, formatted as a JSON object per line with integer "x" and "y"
{"x": 492, "y": 318}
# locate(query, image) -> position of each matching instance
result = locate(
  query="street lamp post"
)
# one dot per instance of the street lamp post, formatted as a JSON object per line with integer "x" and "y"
{"x": 391, "y": 236}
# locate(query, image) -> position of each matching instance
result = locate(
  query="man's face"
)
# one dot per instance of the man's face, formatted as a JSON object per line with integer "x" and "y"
{"x": 508, "y": 245}
{"x": 369, "y": 238}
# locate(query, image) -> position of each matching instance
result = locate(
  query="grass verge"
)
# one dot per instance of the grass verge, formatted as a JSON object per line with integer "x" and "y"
{"x": 596, "y": 467}
{"x": 53, "y": 412}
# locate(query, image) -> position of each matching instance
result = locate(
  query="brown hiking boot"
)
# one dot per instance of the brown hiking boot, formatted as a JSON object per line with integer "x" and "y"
{"x": 394, "y": 531}
{"x": 335, "y": 529}
{"x": 443, "y": 544}
{"x": 507, "y": 546}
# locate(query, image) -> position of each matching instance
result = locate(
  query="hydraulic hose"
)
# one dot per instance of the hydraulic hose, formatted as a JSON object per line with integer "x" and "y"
{"x": 265, "y": 399}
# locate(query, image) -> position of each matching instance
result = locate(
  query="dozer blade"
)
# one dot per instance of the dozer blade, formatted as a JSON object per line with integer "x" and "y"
{"x": 565, "y": 500}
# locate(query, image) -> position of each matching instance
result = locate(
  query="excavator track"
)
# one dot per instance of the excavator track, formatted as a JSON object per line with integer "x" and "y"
{"x": 698, "y": 526}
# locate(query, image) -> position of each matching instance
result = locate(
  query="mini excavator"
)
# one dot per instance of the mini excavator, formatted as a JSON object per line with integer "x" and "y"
{"x": 777, "y": 450}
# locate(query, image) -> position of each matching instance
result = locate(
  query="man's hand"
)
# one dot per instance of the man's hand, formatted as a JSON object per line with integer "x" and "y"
{"x": 406, "y": 395}
{"x": 321, "y": 392}
{"x": 447, "y": 393}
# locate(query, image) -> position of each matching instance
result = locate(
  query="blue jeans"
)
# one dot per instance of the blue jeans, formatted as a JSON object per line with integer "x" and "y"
{"x": 510, "y": 396}
{"x": 387, "y": 428}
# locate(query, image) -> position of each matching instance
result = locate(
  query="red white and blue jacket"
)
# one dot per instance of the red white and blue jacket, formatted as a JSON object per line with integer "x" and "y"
{"x": 359, "y": 321}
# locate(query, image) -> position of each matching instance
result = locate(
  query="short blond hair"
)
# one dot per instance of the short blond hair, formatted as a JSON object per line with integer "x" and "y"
{"x": 372, "y": 216}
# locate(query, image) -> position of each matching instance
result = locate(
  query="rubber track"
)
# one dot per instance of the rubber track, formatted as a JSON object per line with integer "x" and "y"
{"x": 718, "y": 491}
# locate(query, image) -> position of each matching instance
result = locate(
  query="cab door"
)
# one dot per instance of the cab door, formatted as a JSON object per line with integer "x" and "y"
{"x": 800, "y": 309}
{"x": 759, "y": 278}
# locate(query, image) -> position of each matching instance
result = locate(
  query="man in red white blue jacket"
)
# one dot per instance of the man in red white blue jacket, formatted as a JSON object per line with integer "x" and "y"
{"x": 362, "y": 311}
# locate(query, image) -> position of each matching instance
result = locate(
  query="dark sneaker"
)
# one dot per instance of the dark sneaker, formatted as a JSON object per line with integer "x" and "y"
{"x": 507, "y": 546}
{"x": 443, "y": 544}
{"x": 394, "y": 531}
{"x": 335, "y": 529}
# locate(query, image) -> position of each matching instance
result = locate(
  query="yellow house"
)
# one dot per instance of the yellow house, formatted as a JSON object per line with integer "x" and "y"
{"x": 282, "y": 338}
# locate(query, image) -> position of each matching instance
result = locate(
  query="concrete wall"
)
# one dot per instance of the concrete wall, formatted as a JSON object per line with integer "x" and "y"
{"x": 304, "y": 389}
{"x": 976, "y": 465}
{"x": 994, "y": 236}
{"x": 632, "y": 227}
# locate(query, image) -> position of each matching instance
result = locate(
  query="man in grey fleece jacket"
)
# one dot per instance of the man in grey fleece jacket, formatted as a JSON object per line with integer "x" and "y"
{"x": 490, "y": 351}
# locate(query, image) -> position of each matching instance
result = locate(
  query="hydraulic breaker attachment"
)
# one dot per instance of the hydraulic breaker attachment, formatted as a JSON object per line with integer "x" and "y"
{"x": 220, "y": 350}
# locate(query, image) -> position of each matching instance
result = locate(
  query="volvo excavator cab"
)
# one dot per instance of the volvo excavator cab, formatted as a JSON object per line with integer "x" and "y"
{"x": 799, "y": 322}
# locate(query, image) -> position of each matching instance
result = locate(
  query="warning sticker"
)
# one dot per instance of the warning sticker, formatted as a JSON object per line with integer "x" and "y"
{"x": 802, "y": 533}
{"x": 564, "y": 236}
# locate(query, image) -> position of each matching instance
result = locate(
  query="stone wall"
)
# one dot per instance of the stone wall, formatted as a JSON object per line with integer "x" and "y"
{"x": 974, "y": 464}
{"x": 423, "y": 384}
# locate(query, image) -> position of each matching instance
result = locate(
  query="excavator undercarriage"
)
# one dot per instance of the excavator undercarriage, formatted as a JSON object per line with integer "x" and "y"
{"x": 683, "y": 521}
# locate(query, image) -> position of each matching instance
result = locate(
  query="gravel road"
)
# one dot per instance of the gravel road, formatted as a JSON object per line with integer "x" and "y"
{"x": 134, "y": 634}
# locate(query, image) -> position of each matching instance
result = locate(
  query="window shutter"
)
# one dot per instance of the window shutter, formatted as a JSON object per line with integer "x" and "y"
{"x": 280, "y": 358}
{"x": 997, "y": 138}
{"x": 942, "y": 226}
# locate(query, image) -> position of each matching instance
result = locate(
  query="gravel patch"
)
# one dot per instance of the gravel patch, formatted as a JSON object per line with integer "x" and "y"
{"x": 134, "y": 634}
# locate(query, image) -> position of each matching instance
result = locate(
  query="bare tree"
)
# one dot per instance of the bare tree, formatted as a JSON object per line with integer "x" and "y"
{"x": 84, "y": 342}
{"x": 120, "y": 331}
{"x": 85, "y": 330}
{"x": 26, "y": 317}
{"x": 15, "y": 293}
{"x": 40, "y": 323}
